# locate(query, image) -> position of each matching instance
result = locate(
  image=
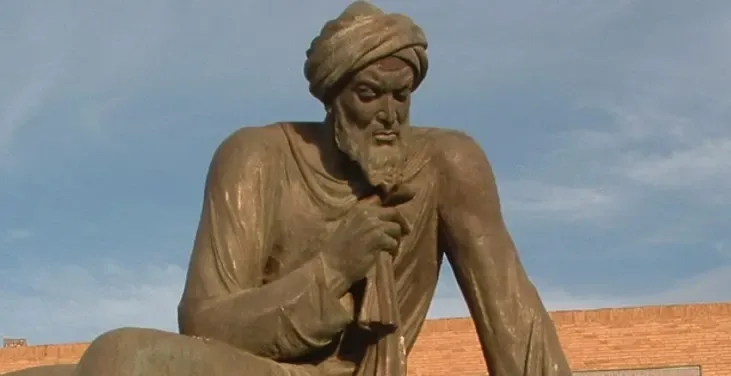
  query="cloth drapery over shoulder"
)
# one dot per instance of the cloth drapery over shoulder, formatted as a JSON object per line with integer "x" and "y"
{"x": 224, "y": 297}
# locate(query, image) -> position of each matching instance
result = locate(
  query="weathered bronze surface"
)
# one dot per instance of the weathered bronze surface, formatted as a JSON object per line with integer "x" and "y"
{"x": 319, "y": 244}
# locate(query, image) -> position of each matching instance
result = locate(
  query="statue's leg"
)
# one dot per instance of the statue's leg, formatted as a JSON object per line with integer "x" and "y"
{"x": 149, "y": 352}
{"x": 56, "y": 370}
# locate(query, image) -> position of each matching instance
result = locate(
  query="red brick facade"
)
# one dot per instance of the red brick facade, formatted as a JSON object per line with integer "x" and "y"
{"x": 604, "y": 339}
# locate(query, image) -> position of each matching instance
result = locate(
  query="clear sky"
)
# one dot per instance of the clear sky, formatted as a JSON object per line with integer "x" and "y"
{"x": 607, "y": 123}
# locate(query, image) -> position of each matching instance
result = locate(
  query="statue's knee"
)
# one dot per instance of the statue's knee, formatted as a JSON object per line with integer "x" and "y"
{"x": 114, "y": 351}
{"x": 126, "y": 336}
{"x": 112, "y": 340}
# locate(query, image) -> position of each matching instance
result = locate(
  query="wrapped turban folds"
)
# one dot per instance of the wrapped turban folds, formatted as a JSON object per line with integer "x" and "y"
{"x": 362, "y": 34}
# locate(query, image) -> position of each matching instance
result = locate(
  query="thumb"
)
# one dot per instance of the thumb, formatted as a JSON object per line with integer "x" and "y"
{"x": 371, "y": 200}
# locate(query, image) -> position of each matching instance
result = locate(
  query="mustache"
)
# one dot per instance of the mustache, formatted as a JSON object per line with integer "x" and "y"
{"x": 391, "y": 131}
{"x": 386, "y": 131}
{"x": 377, "y": 126}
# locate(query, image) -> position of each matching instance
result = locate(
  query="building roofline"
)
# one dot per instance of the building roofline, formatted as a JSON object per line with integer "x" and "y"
{"x": 604, "y": 315}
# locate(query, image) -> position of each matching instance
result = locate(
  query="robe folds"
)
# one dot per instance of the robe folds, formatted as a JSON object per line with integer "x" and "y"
{"x": 257, "y": 282}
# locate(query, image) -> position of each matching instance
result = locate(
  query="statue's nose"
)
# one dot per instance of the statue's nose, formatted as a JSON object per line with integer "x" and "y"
{"x": 387, "y": 116}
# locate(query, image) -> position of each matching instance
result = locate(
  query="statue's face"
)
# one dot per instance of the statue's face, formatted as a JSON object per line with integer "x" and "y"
{"x": 371, "y": 119}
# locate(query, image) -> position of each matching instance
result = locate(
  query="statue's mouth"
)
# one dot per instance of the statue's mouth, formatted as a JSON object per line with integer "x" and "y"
{"x": 388, "y": 136}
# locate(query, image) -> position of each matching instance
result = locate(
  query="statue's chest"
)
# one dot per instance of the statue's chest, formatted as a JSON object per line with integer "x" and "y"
{"x": 307, "y": 227}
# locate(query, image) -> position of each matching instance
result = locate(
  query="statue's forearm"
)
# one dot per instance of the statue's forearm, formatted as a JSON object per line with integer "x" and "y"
{"x": 516, "y": 333}
{"x": 281, "y": 320}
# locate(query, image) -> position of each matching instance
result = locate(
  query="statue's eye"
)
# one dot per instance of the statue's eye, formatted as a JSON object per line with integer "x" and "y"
{"x": 402, "y": 95}
{"x": 366, "y": 93}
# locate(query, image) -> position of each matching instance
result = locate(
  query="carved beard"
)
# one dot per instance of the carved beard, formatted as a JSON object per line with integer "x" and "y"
{"x": 382, "y": 165}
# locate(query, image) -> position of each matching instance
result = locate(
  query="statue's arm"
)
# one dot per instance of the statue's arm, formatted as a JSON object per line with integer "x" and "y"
{"x": 225, "y": 298}
{"x": 515, "y": 330}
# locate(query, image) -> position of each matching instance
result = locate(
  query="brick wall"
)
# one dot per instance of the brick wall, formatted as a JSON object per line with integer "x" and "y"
{"x": 624, "y": 338}
{"x": 17, "y": 358}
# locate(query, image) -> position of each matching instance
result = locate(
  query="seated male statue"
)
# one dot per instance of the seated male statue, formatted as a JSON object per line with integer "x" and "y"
{"x": 320, "y": 244}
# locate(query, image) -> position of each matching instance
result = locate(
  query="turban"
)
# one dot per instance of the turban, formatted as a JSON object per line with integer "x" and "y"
{"x": 361, "y": 35}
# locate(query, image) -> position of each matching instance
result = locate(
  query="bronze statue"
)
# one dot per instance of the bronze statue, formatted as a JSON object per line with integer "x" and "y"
{"x": 319, "y": 244}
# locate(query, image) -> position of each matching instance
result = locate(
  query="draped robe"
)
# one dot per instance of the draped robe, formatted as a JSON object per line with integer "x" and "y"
{"x": 256, "y": 280}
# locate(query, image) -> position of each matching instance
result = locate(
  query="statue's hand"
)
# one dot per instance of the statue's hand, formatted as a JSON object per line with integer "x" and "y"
{"x": 368, "y": 230}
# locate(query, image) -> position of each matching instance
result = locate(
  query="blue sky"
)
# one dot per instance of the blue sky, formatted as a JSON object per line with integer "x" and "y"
{"x": 607, "y": 123}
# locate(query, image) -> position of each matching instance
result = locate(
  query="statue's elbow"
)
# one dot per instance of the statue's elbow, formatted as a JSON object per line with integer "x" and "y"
{"x": 192, "y": 320}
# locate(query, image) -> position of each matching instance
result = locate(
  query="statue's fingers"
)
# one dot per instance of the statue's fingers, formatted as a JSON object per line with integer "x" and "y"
{"x": 393, "y": 229}
{"x": 393, "y": 215}
{"x": 389, "y": 244}
{"x": 399, "y": 196}
{"x": 373, "y": 200}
